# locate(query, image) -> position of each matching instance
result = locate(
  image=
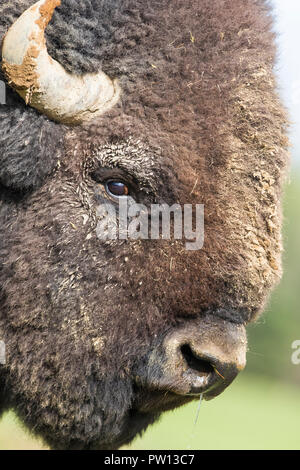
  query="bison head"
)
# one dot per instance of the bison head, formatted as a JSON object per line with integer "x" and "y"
{"x": 161, "y": 102}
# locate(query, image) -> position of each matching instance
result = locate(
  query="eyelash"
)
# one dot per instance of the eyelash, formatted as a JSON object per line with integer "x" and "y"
{"x": 103, "y": 176}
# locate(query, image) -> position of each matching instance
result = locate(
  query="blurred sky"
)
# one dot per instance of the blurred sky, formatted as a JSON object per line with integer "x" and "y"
{"x": 287, "y": 24}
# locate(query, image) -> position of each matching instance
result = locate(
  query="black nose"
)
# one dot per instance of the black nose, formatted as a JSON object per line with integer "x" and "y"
{"x": 205, "y": 372}
{"x": 203, "y": 359}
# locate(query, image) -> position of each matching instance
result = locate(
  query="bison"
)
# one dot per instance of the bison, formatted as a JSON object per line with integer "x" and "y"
{"x": 159, "y": 102}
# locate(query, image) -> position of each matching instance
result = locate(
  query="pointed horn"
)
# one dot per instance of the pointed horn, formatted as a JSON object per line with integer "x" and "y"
{"x": 42, "y": 82}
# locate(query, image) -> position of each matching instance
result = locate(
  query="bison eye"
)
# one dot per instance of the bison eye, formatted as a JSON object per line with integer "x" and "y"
{"x": 116, "y": 188}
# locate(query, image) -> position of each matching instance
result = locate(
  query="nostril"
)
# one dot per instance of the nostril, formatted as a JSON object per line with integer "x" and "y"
{"x": 198, "y": 360}
{"x": 202, "y": 366}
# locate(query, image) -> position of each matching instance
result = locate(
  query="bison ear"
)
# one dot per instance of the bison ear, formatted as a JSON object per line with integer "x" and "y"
{"x": 29, "y": 145}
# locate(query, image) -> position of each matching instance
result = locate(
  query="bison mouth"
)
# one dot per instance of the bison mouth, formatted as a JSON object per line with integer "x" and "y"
{"x": 147, "y": 407}
{"x": 183, "y": 365}
{"x": 146, "y": 410}
{"x": 157, "y": 401}
{"x": 201, "y": 358}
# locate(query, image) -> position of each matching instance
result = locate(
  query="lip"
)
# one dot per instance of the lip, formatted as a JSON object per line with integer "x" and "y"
{"x": 199, "y": 384}
{"x": 154, "y": 400}
{"x": 166, "y": 395}
{"x": 190, "y": 384}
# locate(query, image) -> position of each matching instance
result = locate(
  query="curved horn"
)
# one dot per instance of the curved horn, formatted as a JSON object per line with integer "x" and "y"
{"x": 42, "y": 82}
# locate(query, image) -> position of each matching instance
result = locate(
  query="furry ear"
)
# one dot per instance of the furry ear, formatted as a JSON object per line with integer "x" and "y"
{"x": 29, "y": 143}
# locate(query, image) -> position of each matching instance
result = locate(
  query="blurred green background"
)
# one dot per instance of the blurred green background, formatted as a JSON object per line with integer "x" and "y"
{"x": 261, "y": 409}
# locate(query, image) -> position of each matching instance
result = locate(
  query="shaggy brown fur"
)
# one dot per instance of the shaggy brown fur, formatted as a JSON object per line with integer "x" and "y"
{"x": 199, "y": 122}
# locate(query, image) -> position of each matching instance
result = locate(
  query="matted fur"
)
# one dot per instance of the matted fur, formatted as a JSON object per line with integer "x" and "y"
{"x": 199, "y": 105}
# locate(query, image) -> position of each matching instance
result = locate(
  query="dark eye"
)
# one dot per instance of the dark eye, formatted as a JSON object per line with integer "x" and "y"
{"x": 116, "y": 188}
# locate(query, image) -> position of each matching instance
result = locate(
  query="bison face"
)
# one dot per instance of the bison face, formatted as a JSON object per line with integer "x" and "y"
{"x": 102, "y": 335}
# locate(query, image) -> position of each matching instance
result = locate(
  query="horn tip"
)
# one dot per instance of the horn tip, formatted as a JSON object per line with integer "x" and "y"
{"x": 46, "y": 12}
